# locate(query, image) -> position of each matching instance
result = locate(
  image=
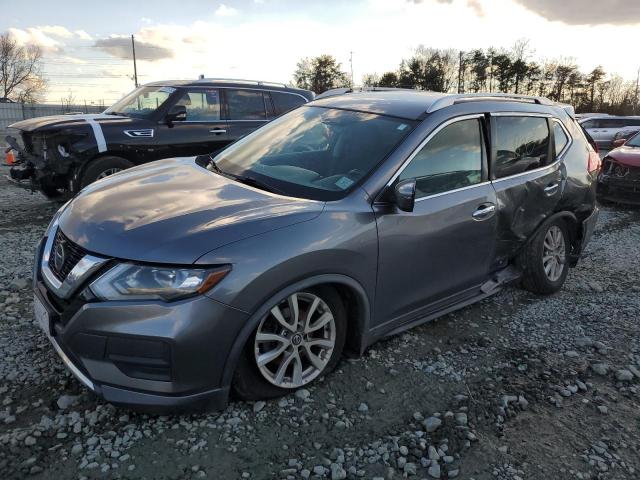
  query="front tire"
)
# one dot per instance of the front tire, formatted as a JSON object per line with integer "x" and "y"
{"x": 103, "y": 167}
{"x": 300, "y": 339}
{"x": 544, "y": 259}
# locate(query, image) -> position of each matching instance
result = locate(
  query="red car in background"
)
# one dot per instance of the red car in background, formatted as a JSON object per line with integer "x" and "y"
{"x": 619, "y": 179}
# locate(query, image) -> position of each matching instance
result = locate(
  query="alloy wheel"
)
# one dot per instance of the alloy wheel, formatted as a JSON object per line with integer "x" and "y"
{"x": 554, "y": 251}
{"x": 295, "y": 340}
{"x": 107, "y": 172}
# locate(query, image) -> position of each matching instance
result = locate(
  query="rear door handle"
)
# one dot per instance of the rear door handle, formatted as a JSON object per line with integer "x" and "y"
{"x": 484, "y": 211}
{"x": 551, "y": 189}
{"x": 218, "y": 131}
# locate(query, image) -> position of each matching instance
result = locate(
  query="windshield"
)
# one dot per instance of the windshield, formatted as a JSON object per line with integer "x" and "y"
{"x": 634, "y": 141}
{"x": 314, "y": 152}
{"x": 142, "y": 102}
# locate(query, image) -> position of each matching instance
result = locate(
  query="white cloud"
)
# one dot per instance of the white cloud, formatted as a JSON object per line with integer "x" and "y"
{"x": 83, "y": 35}
{"x": 225, "y": 11}
{"x": 35, "y": 36}
{"x": 56, "y": 30}
{"x": 146, "y": 20}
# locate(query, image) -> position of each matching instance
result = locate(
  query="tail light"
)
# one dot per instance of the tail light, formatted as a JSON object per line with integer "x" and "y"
{"x": 10, "y": 158}
{"x": 594, "y": 162}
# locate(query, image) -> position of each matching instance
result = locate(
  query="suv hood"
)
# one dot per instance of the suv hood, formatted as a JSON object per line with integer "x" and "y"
{"x": 174, "y": 211}
{"x": 62, "y": 121}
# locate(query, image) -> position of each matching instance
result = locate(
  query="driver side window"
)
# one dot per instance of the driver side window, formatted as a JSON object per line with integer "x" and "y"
{"x": 203, "y": 105}
{"x": 451, "y": 159}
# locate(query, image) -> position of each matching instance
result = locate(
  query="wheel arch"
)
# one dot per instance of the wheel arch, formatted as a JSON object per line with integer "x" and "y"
{"x": 573, "y": 227}
{"x": 355, "y": 300}
{"x": 81, "y": 168}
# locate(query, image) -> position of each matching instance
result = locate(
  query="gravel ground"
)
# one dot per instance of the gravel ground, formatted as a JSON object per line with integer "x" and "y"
{"x": 515, "y": 387}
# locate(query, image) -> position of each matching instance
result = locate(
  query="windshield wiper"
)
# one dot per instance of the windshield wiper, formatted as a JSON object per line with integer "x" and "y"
{"x": 211, "y": 165}
{"x": 254, "y": 182}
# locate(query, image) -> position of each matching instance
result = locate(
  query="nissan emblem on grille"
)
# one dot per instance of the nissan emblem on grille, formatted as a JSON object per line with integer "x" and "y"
{"x": 59, "y": 256}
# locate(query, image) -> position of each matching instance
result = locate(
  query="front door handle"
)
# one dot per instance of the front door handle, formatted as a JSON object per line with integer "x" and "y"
{"x": 218, "y": 131}
{"x": 551, "y": 189}
{"x": 484, "y": 211}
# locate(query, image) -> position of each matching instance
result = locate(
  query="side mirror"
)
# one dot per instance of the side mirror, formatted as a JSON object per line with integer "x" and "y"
{"x": 619, "y": 142}
{"x": 178, "y": 113}
{"x": 404, "y": 195}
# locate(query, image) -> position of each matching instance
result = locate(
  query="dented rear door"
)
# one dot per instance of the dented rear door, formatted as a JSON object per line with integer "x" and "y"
{"x": 526, "y": 177}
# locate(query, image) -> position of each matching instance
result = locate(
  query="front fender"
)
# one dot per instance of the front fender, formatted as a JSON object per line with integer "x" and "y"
{"x": 362, "y": 320}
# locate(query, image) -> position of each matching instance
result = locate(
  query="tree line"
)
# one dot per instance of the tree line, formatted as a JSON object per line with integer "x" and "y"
{"x": 487, "y": 70}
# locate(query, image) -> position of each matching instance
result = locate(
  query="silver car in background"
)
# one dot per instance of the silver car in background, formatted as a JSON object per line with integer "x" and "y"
{"x": 603, "y": 129}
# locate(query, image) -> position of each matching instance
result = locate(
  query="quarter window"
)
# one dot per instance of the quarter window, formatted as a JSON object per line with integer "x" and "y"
{"x": 451, "y": 159}
{"x": 559, "y": 137}
{"x": 245, "y": 105}
{"x": 285, "y": 102}
{"x": 202, "y": 105}
{"x": 522, "y": 144}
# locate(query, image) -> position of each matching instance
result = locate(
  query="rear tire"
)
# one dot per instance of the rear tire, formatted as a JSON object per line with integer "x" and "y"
{"x": 103, "y": 167}
{"x": 325, "y": 344}
{"x": 545, "y": 259}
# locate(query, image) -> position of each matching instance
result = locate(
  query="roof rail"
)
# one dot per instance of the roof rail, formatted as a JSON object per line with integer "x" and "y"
{"x": 341, "y": 91}
{"x": 241, "y": 80}
{"x": 448, "y": 100}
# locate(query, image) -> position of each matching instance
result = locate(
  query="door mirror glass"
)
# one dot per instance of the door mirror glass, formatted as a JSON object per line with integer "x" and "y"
{"x": 404, "y": 195}
{"x": 178, "y": 113}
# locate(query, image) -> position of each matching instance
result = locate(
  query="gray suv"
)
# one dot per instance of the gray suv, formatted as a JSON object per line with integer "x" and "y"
{"x": 349, "y": 219}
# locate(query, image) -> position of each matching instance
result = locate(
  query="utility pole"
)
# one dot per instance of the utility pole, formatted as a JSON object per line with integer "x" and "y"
{"x": 135, "y": 68}
{"x": 490, "y": 71}
{"x": 460, "y": 73}
{"x": 351, "y": 62}
{"x": 635, "y": 101}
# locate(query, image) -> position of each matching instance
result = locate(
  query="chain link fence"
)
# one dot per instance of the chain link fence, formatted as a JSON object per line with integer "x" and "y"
{"x": 14, "y": 112}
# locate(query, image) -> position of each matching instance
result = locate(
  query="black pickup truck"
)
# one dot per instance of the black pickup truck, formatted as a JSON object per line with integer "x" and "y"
{"x": 62, "y": 154}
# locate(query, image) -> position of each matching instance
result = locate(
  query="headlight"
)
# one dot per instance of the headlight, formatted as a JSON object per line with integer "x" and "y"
{"x": 143, "y": 282}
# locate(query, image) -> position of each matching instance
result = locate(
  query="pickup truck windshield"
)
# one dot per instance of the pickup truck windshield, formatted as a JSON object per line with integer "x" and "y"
{"x": 141, "y": 103}
{"x": 314, "y": 152}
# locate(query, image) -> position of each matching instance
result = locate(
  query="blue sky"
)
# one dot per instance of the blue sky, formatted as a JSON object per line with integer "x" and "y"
{"x": 87, "y": 48}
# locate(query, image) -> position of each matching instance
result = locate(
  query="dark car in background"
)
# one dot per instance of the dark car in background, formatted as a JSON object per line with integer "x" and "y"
{"x": 344, "y": 221}
{"x": 619, "y": 180}
{"x": 157, "y": 120}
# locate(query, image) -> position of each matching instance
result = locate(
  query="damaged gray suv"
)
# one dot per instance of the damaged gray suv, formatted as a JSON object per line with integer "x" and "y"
{"x": 349, "y": 219}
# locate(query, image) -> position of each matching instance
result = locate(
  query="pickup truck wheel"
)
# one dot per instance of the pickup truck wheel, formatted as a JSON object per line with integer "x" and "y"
{"x": 103, "y": 167}
{"x": 544, "y": 259}
{"x": 300, "y": 339}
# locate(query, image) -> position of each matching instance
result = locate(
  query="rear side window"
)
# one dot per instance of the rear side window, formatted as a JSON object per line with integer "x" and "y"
{"x": 522, "y": 144}
{"x": 245, "y": 105}
{"x": 284, "y": 102}
{"x": 451, "y": 159}
{"x": 631, "y": 122}
{"x": 559, "y": 137}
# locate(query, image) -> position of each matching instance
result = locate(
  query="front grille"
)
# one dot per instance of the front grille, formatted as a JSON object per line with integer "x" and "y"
{"x": 72, "y": 254}
{"x": 634, "y": 173}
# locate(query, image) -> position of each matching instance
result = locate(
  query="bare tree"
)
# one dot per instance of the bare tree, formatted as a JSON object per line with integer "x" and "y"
{"x": 20, "y": 70}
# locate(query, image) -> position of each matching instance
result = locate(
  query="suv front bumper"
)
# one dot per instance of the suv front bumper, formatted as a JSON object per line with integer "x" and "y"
{"x": 154, "y": 355}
